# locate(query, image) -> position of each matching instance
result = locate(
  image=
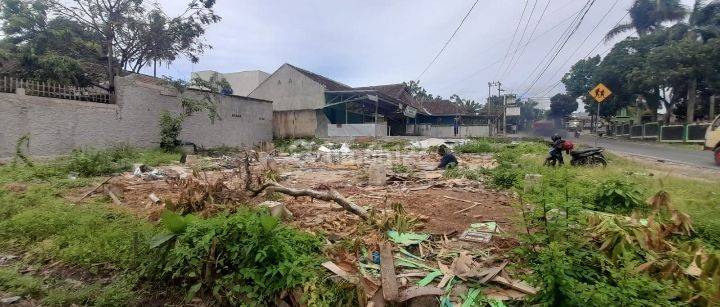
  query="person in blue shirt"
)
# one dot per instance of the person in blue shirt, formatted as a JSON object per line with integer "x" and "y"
{"x": 456, "y": 126}
{"x": 447, "y": 158}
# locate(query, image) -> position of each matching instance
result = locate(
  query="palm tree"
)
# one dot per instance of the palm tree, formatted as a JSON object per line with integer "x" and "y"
{"x": 648, "y": 15}
{"x": 703, "y": 24}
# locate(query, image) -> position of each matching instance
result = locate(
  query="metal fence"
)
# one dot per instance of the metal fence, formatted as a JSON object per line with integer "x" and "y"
{"x": 636, "y": 132}
{"x": 672, "y": 133}
{"x": 696, "y": 132}
{"x": 651, "y": 130}
{"x": 53, "y": 90}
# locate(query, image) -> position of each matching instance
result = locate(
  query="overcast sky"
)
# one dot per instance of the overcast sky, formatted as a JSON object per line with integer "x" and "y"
{"x": 373, "y": 42}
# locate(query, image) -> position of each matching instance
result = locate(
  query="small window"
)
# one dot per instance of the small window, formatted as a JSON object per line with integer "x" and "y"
{"x": 289, "y": 81}
{"x": 279, "y": 82}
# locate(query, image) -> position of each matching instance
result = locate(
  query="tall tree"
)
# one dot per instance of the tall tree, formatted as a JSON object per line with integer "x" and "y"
{"x": 35, "y": 46}
{"x": 418, "y": 92}
{"x": 581, "y": 77}
{"x": 562, "y": 105}
{"x": 469, "y": 105}
{"x": 649, "y": 15}
{"x": 123, "y": 28}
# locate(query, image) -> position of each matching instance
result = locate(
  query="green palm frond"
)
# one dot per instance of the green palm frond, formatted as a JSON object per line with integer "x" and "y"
{"x": 617, "y": 30}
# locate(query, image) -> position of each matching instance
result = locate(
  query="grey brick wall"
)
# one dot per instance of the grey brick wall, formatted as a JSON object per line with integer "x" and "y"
{"x": 58, "y": 126}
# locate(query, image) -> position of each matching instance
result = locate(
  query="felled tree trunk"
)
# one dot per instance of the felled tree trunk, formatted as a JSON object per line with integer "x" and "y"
{"x": 330, "y": 195}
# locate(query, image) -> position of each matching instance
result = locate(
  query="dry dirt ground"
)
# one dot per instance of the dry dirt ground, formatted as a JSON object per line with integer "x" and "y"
{"x": 434, "y": 205}
{"x": 445, "y": 206}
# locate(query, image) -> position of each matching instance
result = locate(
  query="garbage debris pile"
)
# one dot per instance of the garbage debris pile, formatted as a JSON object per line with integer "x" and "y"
{"x": 423, "y": 234}
{"x": 416, "y": 266}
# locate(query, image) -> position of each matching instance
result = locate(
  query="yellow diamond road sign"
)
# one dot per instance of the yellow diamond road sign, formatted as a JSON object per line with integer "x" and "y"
{"x": 600, "y": 92}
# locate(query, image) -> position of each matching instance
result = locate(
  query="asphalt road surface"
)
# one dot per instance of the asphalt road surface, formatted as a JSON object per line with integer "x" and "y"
{"x": 656, "y": 151}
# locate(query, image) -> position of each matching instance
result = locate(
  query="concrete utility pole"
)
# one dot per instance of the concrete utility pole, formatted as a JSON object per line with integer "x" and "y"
{"x": 499, "y": 86}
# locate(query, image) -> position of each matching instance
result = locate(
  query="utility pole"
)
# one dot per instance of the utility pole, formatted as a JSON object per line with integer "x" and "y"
{"x": 499, "y": 87}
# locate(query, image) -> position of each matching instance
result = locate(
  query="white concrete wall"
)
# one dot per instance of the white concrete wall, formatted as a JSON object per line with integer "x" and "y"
{"x": 289, "y": 89}
{"x": 57, "y": 126}
{"x": 242, "y": 82}
{"x": 353, "y": 130}
{"x": 447, "y": 131}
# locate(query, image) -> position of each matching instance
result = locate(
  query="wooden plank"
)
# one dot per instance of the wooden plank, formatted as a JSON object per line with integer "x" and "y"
{"x": 95, "y": 189}
{"x": 387, "y": 272}
{"x": 340, "y": 272}
{"x": 458, "y": 199}
{"x": 516, "y": 285}
{"x": 466, "y": 209}
{"x": 494, "y": 272}
{"x": 114, "y": 197}
{"x": 414, "y": 292}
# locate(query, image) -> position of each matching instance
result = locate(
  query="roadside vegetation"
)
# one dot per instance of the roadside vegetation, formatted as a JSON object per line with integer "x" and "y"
{"x": 95, "y": 253}
{"x": 621, "y": 235}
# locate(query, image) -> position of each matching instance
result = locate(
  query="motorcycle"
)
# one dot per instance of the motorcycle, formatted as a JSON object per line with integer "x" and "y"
{"x": 587, "y": 157}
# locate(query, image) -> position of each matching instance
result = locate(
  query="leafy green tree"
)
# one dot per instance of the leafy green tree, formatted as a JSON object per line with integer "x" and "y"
{"x": 37, "y": 47}
{"x": 418, "y": 92}
{"x": 581, "y": 78}
{"x": 131, "y": 35}
{"x": 562, "y": 105}
{"x": 471, "y": 106}
{"x": 649, "y": 15}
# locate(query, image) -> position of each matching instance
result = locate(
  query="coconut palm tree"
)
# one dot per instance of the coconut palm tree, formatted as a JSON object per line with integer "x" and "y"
{"x": 648, "y": 15}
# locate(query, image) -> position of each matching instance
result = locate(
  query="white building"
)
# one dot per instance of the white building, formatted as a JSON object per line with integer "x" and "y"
{"x": 242, "y": 82}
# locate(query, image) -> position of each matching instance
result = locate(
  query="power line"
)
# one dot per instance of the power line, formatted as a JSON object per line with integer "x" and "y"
{"x": 522, "y": 52}
{"x": 591, "y": 50}
{"x": 512, "y": 41}
{"x": 522, "y": 36}
{"x": 525, "y": 46}
{"x": 592, "y": 2}
{"x": 555, "y": 45}
{"x": 568, "y": 58}
{"x": 448, "y": 41}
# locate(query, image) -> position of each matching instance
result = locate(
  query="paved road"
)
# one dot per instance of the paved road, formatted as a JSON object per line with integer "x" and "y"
{"x": 658, "y": 151}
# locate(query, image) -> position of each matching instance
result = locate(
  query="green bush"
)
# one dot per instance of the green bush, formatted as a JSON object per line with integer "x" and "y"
{"x": 90, "y": 162}
{"x": 575, "y": 275}
{"x": 474, "y": 147}
{"x": 170, "y": 128}
{"x": 618, "y": 196}
{"x": 254, "y": 257}
{"x": 400, "y": 168}
{"x": 505, "y": 176}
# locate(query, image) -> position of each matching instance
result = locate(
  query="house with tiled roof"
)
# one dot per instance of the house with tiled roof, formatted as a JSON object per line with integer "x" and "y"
{"x": 307, "y": 104}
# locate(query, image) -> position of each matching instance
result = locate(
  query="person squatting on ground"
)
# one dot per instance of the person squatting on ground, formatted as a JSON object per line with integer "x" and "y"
{"x": 447, "y": 158}
{"x": 557, "y": 148}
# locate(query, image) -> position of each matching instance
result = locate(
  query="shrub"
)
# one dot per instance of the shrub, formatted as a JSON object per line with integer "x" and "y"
{"x": 618, "y": 196}
{"x": 90, "y": 162}
{"x": 575, "y": 275}
{"x": 400, "y": 168}
{"x": 504, "y": 176}
{"x": 479, "y": 146}
{"x": 253, "y": 258}
{"x": 170, "y": 127}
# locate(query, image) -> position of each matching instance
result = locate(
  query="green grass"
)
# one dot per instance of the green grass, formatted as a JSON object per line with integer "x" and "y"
{"x": 111, "y": 246}
{"x": 39, "y": 224}
{"x": 698, "y": 198}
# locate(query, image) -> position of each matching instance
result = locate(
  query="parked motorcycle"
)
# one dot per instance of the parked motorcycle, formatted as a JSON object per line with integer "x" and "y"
{"x": 587, "y": 157}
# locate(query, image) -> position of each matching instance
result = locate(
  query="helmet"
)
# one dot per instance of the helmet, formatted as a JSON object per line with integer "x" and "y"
{"x": 555, "y": 137}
